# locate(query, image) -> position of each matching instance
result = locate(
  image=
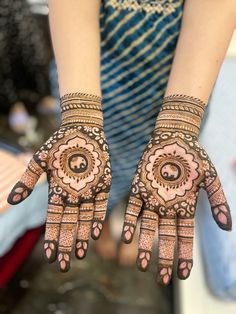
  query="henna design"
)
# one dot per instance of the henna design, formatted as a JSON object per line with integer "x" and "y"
{"x": 185, "y": 232}
{"x": 76, "y": 159}
{"x": 147, "y": 233}
{"x": 86, "y": 214}
{"x": 171, "y": 171}
{"x": 101, "y": 201}
{"x": 132, "y": 212}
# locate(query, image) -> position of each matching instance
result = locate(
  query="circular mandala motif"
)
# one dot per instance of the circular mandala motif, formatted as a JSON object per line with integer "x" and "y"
{"x": 76, "y": 163}
{"x": 170, "y": 171}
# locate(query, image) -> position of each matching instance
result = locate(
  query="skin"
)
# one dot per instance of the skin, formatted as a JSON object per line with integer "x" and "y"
{"x": 75, "y": 36}
{"x": 205, "y": 35}
{"x": 206, "y": 30}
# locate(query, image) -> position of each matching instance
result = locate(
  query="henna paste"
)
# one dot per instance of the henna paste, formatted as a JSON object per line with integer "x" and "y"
{"x": 76, "y": 160}
{"x": 165, "y": 188}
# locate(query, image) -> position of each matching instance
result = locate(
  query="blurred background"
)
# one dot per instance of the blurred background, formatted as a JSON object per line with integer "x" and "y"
{"x": 29, "y": 113}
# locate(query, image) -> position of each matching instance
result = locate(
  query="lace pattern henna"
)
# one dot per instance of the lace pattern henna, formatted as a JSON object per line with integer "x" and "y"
{"x": 83, "y": 109}
{"x": 76, "y": 159}
{"x": 180, "y": 112}
{"x": 165, "y": 188}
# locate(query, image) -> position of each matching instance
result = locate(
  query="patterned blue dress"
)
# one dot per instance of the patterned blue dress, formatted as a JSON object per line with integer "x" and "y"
{"x": 138, "y": 43}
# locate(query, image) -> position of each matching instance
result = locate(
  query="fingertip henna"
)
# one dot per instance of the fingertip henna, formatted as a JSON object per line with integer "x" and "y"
{"x": 128, "y": 233}
{"x": 219, "y": 207}
{"x": 100, "y": 210}
{"x": 143, "y": 260}
{"x": 63, "y": 260}
{"x": 131, "y": 216}
{"x": 50, "y": 251}
{"x": 164, "y": 275}
{"x": 19, "y": 193}
{"x": 81, "y": 249}
{"x": 97, "y": 227}
{"x": 184, "y": 268}
{"x": 222, "y": 216}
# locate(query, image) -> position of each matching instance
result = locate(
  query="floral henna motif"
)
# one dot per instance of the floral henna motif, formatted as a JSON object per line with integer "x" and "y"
{"x": 76, "y": 160}
{"x": 173, "y": 168}
{"x": 170, "y": 170}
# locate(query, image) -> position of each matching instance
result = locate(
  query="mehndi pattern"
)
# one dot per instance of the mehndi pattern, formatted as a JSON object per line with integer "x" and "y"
{"x": 165, "y": 188}
{"x": 76, "y": 160}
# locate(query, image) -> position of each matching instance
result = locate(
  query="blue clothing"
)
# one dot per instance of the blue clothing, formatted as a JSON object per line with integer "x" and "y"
{"x": 138, "y": 42}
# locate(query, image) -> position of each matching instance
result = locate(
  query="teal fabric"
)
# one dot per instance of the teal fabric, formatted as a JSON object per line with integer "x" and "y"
{"x": 136, "y": 55}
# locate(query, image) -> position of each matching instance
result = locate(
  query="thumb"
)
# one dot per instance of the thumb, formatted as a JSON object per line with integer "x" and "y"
{"x": 23, "y": 188}
{"x": 219, "y": 206}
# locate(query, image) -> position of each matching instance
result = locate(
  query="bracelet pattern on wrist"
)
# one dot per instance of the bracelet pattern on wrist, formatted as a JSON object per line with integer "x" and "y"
{"x": 81, "y": 108}
{"x": 181, "y": 113}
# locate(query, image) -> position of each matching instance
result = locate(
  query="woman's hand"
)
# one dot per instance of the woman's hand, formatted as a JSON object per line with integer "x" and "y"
{"x": 76, "y": 160}
{"x": 165, "y": 189}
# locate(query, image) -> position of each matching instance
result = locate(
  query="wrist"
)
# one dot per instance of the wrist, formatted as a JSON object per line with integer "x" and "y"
{"x": 82, "y": 109}
{"x": 181, "y": 113}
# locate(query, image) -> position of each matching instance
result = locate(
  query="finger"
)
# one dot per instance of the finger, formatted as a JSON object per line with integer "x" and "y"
{"x": 185, "y": 232}
{"x": 100, "y": 210}
{"x": 54, "y": 217}
{"x": 23, "y": 188}
{"x": 66, "y": 237}
{"x": 219, "y": 206}
{"x": 86, "y": 212}
{"x": 166, "y": 246}
{"x": 131, "y": 216}
{"x": 147, "y": 234}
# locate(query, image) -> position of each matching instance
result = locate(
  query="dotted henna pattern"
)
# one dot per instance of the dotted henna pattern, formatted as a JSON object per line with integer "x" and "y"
{"x": 76, "y": 160}
{"x": 165, "y": 188}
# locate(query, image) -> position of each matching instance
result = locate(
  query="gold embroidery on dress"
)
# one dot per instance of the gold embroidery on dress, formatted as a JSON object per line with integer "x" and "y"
{"x": 150, "y": 6}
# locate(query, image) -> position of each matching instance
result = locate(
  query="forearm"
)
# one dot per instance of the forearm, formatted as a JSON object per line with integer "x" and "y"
{"x": 76, "y": 41}
{"x": 205, "y": 35}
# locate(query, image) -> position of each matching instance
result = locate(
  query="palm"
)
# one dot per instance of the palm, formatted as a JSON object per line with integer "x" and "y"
{"x": 76, "y": 160}
{"x": 166, "y": 185}
{"x": 78, "y": 163}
